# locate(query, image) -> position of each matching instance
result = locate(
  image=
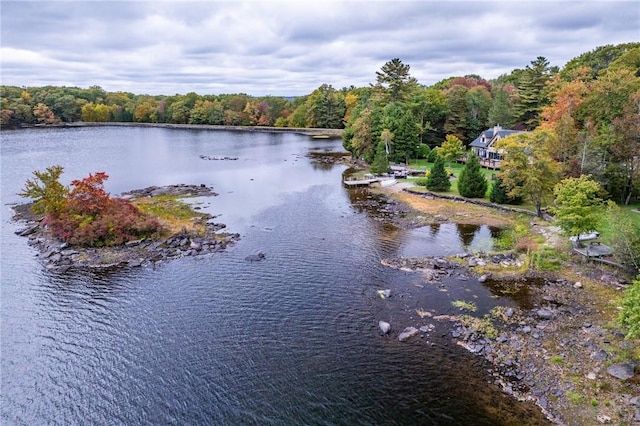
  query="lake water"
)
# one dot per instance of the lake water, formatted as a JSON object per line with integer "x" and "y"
{"x": 291, "y": 340}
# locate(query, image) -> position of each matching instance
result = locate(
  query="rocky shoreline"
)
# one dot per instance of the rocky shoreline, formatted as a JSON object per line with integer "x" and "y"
{"x": 563, "y": 353}
{"x": 59, "y": 256}
{"x": 560, "y": 353}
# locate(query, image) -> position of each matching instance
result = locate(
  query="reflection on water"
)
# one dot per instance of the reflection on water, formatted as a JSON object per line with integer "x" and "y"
{"x": 435, "y": 239}
{"x": 517, "y": 290}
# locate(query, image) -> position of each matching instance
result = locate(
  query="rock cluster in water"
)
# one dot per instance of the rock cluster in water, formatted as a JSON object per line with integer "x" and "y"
{"x": 60, "y": 256}
{"x": 201, "y": 190}
{"x": 208, "y": 157}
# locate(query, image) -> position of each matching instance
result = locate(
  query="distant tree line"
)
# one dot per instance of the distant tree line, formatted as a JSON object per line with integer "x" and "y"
{"x": 324, "y": 108}
{"x": 589, "y": 110}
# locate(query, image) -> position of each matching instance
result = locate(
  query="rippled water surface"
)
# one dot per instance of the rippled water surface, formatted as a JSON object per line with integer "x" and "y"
{"x": 290, "y": 340}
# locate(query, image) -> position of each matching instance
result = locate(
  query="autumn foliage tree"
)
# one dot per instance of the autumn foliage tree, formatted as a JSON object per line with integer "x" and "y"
{"x": 528, "y": 169}
{"x": 44, "y": 115}
{"x": 560, "y": 115}
{"x": 451, "y": 148}
{"x": 46, "y": 191}
{"x": 86, "y": 215}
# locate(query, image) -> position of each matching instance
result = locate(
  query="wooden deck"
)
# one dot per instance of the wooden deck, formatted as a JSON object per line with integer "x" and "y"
{"x": 593, "y": 250}
{"x": 492, "y": 164}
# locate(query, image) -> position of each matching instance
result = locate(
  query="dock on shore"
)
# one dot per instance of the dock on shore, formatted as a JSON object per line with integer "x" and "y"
{"x": 368, "y": 180}
{"x": 360, "y": 182}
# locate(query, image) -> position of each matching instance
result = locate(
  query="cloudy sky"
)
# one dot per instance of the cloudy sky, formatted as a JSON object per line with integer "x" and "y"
{"x": 291, "y": 48}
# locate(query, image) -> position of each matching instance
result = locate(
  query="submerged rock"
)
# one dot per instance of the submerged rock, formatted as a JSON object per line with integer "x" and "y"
{"x": 407, "y": 333}
{"x": 384, "y": 294}
{"x": 255, "y": 257}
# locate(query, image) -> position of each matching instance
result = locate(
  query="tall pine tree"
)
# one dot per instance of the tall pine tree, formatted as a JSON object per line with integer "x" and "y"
{"x": 532, "y": 91}
{"x": 395, "y": 80}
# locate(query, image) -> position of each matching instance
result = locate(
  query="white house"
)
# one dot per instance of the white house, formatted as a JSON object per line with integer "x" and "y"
{"x": 484, "y": 146}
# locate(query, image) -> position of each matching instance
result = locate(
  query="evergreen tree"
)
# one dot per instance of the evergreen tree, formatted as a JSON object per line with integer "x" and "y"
{"x": 456, "y": 122}
{"x": 433, "y": 155}
{"x": 479, "y": 103}
{"x": 532, "y": 92}
{"x": 406, "y": 139}
{"x": 394, "y": 79}
{"x": 501, "y": 111}
{"x": 325, "y": 108}
{"x": 380, "y": 163}
{"x": 471, "y": 182}
{"x": 438, "y": 179}
{"x": 498, "y": 193}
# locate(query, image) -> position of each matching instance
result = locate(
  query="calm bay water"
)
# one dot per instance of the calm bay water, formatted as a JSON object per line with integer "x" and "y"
{"x": 291, "y": 340}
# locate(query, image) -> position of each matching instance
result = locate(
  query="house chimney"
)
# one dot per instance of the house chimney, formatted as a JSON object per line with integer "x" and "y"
{"x": 496, "y": 129}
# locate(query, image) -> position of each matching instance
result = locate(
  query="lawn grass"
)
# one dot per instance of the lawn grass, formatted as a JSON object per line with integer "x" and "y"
{"x": 455, "y": 168}
{"x": 632, "y": 209}
{"x": 608, "y": 228}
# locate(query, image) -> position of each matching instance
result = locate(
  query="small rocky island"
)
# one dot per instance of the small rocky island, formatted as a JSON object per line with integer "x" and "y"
{"x": 200, "y": 238}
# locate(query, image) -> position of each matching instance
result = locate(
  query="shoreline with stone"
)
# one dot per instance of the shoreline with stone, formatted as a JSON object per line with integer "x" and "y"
{"x": 562, "y": 353}
{"x": 58, "y": 256}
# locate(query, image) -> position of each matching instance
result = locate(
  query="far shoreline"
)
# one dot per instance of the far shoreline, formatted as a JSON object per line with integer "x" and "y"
{"x": 314, "y": 132}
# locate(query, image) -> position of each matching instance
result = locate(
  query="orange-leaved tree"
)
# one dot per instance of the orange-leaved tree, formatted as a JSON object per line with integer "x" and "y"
{"x": 85, "y": 214}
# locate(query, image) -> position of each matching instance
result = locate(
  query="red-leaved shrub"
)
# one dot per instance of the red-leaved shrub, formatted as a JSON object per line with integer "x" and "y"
{"x": 90, "y": 217}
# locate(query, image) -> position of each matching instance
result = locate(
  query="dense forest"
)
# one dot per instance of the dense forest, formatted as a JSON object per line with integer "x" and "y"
{"x": 589, "y": 109}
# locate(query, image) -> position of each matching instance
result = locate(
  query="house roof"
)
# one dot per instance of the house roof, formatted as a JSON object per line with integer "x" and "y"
{"x": 491, "y": 135}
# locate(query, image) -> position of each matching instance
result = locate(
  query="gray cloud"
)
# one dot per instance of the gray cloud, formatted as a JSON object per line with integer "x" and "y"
{"x": 291, "y": 48}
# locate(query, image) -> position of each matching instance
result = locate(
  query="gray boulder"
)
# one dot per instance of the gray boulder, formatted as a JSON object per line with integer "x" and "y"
{"x": 385, "y": 327}
{"x": 621, "y": 371}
